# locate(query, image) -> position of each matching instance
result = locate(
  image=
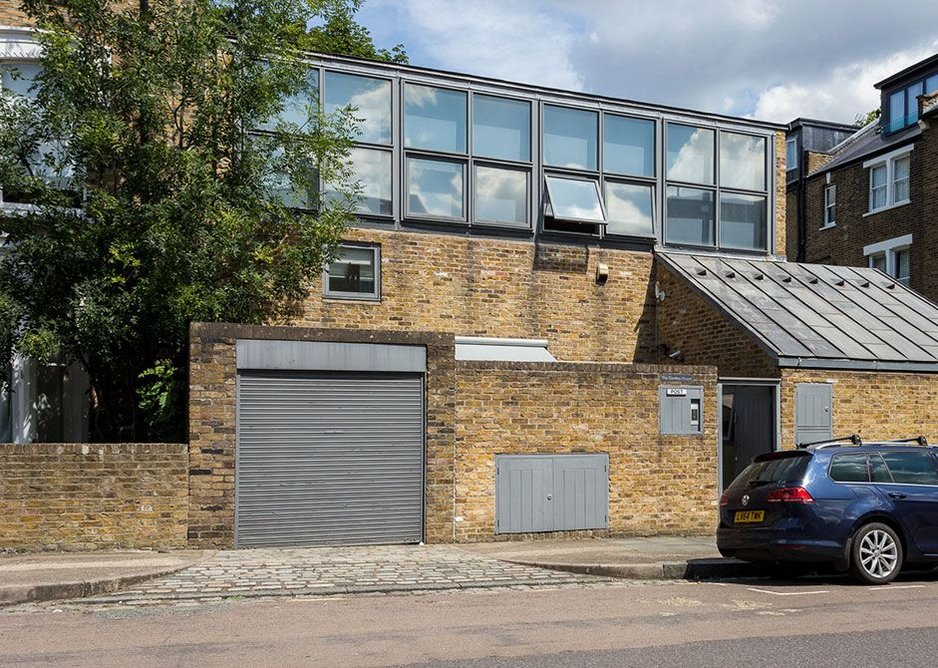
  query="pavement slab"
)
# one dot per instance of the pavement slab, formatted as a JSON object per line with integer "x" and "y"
{"x": 55, "y": 575}
{"x": 333, "y": 571}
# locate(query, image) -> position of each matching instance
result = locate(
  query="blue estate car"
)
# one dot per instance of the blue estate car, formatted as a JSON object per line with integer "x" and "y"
{"x": 870, "y": 509}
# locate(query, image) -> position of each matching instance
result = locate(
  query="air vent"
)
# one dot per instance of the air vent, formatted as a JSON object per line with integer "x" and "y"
{"x": 787, "y": 279}
{"x": 730, "y": 274}
{"x": 865, "y": 284}
{"x": 841, "y": 283}
{"x": 759, "y": 277}
{"x": 813, "y": 281}
{"x": 701, "y": 272}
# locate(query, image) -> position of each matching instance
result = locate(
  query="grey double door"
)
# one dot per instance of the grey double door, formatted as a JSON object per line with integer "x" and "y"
{"x": 537, "y": 493}
{"x": 329, "y": 459}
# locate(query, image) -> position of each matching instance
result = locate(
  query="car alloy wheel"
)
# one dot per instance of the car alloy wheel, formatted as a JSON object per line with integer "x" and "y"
{"x": 877, "y": 554}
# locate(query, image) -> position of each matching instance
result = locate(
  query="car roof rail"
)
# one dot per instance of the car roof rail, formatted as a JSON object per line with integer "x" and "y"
{"x": 854, "y": 439}
{"x": 918, "y": 440}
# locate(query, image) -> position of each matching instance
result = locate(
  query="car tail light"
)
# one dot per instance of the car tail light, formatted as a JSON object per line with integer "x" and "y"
{"x": 724, "y": 500}
{"x": 790, "y": 495}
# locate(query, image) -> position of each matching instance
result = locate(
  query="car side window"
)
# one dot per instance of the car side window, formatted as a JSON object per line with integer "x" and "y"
{"x": 878, "y": 470}
{"x": 912, "y": 468}
{"x": 849, "y": 468}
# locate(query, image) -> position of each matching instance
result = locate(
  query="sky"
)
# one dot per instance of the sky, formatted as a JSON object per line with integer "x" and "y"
{"x": 773, "y": 60}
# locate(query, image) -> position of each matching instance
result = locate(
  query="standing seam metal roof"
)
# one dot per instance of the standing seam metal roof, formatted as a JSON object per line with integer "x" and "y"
{"x": 818, "y": 316}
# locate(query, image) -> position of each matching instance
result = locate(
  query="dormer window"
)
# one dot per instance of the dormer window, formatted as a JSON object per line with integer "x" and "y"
{"x": 902, "y": 105}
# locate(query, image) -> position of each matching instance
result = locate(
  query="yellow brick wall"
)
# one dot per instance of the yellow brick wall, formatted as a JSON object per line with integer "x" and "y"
{"x": 657, "y": 484}
{"x": 873, "y": 404}
{"x": 68, "y": 496}
{"x": 11, "y": 15}
{"x": 503, "y": 288}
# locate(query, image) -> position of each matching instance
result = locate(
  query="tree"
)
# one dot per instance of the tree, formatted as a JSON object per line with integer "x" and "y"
{"x": 156, "y": 203}
{"x": 862, "y": 120}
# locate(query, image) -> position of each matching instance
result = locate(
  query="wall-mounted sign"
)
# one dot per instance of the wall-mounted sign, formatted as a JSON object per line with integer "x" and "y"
{"x": 676, "y": 392}
{"x": 676, "y": 378}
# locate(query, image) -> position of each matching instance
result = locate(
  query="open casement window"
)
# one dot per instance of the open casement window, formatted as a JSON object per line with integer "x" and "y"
{"x": 354, "y": 274}
{"x": 574, "y": 201}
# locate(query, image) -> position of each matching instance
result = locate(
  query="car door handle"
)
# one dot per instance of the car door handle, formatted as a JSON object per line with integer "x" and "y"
{"x": 897, "y": 495}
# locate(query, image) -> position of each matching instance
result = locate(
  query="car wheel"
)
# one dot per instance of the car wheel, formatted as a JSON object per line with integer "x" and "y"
{"x": 876, "y": 554}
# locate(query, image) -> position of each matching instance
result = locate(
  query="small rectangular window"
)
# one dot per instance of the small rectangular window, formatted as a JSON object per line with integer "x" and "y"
{"x": 791, "y": 154}
{"x": 903, "y": 266}
{"x": 931, "y": 84}
{"x": 501, "y": 195}
{"x": 436, "y": 188}
{"x": 570, "y": 137}
{"x": 896, "y": 111}
{"x": 300, "y": 109}
{"x": 830, "y": 206}
{"x": 501, "y": 128}
{"x": 691, "y": 154}
{"x": 900, "y": 180}
{"x": 743, "y": 223}
{"x": 742, "y": 161}
{"x": 628, "y": 145}
{"x": 575, "y": 200}
{"x": 878, "y": 187}
{"x": 878, "y": 261}
{"x": 372, "y": 169}
{"x": 435, "y": 119}
{"x": 371, "y": 99}
{"x": 630, "y": 209}
{"x": 354, "y": 274}
{"x": 912, "y": 93}
{"x": 691, "y": 216}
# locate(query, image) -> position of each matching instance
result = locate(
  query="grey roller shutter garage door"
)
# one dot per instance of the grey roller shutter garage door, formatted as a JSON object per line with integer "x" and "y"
{"x": 329, "y": 459}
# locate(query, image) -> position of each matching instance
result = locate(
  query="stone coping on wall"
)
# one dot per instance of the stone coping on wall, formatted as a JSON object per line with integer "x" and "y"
{"x": 216, "y": 331}
{"x": 561, "y": 366}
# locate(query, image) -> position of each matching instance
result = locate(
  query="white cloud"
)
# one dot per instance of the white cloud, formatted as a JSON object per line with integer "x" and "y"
{"x": 840, "y": 95}
{"x": 772, "y": 59}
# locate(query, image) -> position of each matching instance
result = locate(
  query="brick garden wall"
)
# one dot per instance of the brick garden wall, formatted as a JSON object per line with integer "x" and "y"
{"x": 11, "y": 15}
{"x": 472, "y": 286}
{"x": 68, "y": 496}
{"x": 658, "y": 484}
{"x": 874, "y": 404}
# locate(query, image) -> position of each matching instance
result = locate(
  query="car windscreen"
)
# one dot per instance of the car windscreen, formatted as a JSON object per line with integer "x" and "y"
{"x": 783, "y": 469}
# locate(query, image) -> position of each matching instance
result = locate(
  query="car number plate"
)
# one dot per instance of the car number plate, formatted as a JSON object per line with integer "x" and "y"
{"x": 748, "y": 516}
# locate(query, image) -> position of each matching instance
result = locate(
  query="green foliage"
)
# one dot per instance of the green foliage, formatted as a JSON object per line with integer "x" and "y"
{"x": 339, "y": 33}
{"x": 862, "y": 120}
{"x": 154, "y": 205}
{"x": 160, "y": 392}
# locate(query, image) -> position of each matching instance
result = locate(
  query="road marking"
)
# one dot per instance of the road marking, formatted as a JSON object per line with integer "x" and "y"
{"x": 789, "y": 593}
{"x": 896, "y": 587}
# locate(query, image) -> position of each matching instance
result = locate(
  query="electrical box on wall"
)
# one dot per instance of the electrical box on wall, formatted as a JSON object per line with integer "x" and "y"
{"x": 681, "y": 410}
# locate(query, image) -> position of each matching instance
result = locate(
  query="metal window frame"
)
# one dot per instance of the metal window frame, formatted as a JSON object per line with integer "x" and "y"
{"x": 436, "y": 157}
{"x": 608, "y": 173}
{"x": 324, "y": 89}
{"x": 718, "y": 189}
{"x": 486, "y": 164}
{"x": 576, "y": 177}
{"x": 645, "y": 183}
{"x": 374, "y": 296}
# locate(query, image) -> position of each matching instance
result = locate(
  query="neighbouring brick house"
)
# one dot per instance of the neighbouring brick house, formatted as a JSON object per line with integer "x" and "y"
{"x": 559, "y": 314}
{"x": 871, "y": 200}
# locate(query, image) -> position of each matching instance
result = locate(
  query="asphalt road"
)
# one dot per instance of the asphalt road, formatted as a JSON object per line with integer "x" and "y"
{"x": 816, "y": 622}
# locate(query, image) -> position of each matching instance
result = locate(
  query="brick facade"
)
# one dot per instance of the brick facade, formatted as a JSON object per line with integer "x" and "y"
{"x": 686, "y": 322}
{"x": 657, "y": 484}
{"x": 67, "y": 496}
{"x": 475, "y": 410}
{"x": 843, "y": 244}
{"x": 11, "y": 15}
{"x": 213, "y": 422}
{"x": 873, "y": 404}
{"x": 476, "y": 286}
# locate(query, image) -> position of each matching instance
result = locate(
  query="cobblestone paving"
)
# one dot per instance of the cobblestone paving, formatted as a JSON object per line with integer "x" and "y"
{"x": 331, "y": 571}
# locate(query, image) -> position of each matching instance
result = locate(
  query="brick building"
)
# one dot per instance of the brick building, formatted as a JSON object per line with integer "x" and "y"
{"x": 559, "y": 314}
{"x": 871, "y": 200}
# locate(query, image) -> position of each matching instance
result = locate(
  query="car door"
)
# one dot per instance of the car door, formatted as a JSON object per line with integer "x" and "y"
{"x": 914, "y": 491}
